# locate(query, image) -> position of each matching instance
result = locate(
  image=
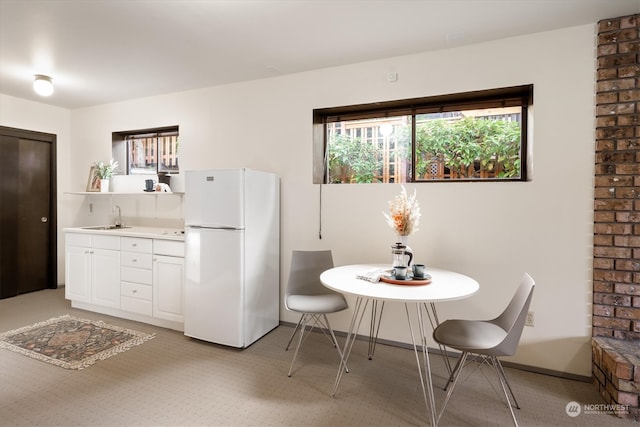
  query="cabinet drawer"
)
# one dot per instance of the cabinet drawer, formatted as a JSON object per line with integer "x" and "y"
{"x": 168, "y": 247}
{"x": 136, "y": 244}
{"x": 136, "y": 305}
{"x": 78, "y": 239}
{"x": 99, "y": 241}
{"x": 135, "y": 259}
{"x": 136, "y": 290}
{"x": 136, "y": 275}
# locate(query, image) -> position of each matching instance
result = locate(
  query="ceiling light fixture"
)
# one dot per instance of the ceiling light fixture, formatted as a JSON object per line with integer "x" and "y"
{"x": 43, "y": 85}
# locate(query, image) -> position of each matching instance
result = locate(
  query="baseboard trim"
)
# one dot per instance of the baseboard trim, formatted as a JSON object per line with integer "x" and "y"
{"x": 519, "y": 366}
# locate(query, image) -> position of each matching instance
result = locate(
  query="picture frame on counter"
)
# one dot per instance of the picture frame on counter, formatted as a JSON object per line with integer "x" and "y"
{"x": 93, "y": 184}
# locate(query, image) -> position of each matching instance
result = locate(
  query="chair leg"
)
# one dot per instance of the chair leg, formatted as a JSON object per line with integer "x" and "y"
{"x": 301, "y": 328}
{"x": 456, "y": 375}
{"x": 504, "y": 376}
{"x": 324, "y": 326}
{"x": 495, "y": 362}
{"x": 446, "y": 386}
{"x": 503, "y": 382}
{"x": 307, "y": 317}
{"x": 294, "y": 332}
{"x": 303, "y": 324}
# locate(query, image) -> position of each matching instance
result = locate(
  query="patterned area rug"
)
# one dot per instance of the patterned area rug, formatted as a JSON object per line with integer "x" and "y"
{"x": 71, "y": 342}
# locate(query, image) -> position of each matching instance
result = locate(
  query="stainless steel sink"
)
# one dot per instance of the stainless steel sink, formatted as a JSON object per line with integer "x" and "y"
{"x": 105, "y": 227}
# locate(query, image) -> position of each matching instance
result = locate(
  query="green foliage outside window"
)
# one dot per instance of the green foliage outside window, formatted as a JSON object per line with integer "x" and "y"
{"x": 467, "y": 148}
{"x": 350, "y": 160}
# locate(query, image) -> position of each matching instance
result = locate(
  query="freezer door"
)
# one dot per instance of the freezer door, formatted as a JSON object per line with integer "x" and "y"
{"x": 214, "y": 198}
{"x": 214, "y": 288}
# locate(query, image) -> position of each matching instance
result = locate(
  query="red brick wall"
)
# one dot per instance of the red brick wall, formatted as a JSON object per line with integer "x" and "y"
{"x": 616, "y": 263}
{"x": 616, "y": 373}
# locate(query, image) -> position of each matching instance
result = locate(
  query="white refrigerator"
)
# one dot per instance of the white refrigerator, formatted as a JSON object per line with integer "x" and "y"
{"x": 232, "y": 255}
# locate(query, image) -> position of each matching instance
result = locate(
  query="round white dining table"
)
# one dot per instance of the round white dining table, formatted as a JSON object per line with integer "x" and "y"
{"x": 444, "y": 286}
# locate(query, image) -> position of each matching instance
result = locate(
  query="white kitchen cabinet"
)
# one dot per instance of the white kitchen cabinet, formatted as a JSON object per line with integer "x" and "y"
{"x": 136, "y": 275}
{"x": 128, "y": 276}
{"x": 105, "y": 278}
{"x": 77, "y": 273}
{"x": 92, "y": 273}
{"x": 168, "y": 280}
{"x": 168, "y": 287}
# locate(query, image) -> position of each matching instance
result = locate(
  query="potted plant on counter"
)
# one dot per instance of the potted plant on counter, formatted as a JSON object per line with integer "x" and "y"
{"x": 105, "y": 171}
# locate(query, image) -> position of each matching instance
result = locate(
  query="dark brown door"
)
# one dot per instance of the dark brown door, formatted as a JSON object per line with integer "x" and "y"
{"x": 27, "y": 212}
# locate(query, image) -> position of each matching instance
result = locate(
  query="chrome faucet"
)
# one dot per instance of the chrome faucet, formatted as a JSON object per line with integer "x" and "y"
{"x": 119, "y": 219}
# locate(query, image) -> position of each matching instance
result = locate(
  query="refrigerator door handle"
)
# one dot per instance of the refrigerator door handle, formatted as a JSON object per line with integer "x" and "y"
{"x": 199, "y": 227}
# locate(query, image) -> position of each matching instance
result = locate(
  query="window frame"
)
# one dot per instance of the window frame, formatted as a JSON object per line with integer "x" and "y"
{"x": 122, "y": 136}
{"x": 521, "y": 96}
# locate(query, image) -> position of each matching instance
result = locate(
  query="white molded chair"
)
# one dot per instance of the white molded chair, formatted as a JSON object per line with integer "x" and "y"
{"x": 306, "y": 295}
{"x": 488, "y": 339}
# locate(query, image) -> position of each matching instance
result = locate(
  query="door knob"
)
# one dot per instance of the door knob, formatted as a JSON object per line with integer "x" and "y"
{"x": 44, "y": 219}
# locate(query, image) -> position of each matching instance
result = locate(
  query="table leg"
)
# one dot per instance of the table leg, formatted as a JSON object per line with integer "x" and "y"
{"x": 351, "y": 337}
{"x": 374, "y": 328}
{"x": 429, "y": 399}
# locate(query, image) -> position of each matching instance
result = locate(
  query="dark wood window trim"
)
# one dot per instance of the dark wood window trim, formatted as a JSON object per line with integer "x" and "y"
{"x": 118, "y": 137}
{"x": 500, "y": 97}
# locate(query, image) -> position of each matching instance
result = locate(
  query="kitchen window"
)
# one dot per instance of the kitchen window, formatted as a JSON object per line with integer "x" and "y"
{"x": 148, "y": 151}
{"x": 473, "y": 136}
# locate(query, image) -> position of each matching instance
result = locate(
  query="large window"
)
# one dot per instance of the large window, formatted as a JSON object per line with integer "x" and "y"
{"x": 148, "y": 151}
{"x": 468, "y": 136}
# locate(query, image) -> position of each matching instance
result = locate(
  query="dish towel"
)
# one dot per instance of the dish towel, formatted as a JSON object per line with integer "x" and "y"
{"x": 371, "y": 275}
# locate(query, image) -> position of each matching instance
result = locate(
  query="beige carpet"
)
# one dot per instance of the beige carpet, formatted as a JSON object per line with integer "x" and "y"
{"x": 176, "y": 381}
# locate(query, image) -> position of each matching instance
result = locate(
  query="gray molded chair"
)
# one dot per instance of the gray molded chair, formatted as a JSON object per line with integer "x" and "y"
{"x": 306, "y": 295}
{"x": 488, "y": 339}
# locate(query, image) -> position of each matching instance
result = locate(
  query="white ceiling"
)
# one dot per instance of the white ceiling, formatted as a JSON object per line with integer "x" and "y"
{"x": 101, "y": 51}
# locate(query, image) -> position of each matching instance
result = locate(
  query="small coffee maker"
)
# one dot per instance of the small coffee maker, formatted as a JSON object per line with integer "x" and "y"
{"x": 402, "y": 255}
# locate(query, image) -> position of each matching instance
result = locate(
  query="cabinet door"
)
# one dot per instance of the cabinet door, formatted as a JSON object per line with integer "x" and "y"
{"x": 168, "y": 287}
{"x": 77, "y": 273}
{"x": 105, "y": 278}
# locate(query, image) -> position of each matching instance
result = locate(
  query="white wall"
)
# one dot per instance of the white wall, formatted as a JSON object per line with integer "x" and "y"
{"x": 493, "y": 232}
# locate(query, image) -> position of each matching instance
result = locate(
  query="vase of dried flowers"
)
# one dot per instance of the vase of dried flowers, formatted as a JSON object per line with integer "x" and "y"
{"x": 403, "y": 218}
{"x": 404, "y": 214}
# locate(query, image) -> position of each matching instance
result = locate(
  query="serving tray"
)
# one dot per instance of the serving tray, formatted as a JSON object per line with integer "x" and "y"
{"x": 405, "y": 282}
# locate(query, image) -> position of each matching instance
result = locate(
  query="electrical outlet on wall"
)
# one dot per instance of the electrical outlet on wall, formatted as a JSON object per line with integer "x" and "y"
{"x": 529, "y": 320}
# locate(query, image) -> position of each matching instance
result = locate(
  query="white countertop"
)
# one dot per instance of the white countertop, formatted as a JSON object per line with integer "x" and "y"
{"x": 134, "y": 231}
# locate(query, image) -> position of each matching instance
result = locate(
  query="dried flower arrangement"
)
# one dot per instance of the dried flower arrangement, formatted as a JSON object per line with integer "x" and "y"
{"x": 404, "y": 215}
